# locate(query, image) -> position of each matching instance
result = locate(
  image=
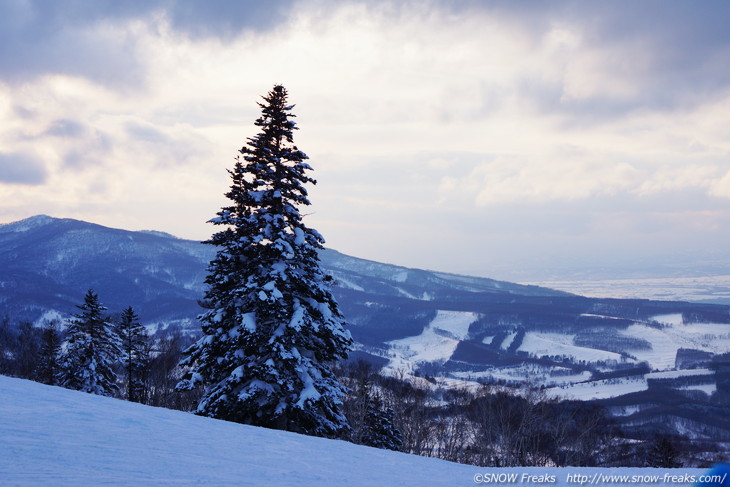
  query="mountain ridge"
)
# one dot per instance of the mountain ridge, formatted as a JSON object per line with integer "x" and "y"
{"x": 63, "y": 257}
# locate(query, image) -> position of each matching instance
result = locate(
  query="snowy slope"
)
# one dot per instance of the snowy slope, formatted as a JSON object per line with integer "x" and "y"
{"x": 53, "y": 436}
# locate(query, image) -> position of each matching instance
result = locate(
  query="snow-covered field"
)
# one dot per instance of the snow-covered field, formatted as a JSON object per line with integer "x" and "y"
{"x": 664, "y": 336}
{"x": 599, "y": 389}
{"x": 665, "y": 339}
{"x": 532, "y": 374}
{"x": 552, "y": 344}
{"x": 603, "y": 389}
{"x": 711, "y": 337}
{"x": 55, "y": 437}
{"x": 665, "y": 342}
{"x": 436, "y": 344}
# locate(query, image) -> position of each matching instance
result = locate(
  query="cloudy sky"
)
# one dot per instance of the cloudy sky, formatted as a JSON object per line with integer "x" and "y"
{"x": 506, "y": 139}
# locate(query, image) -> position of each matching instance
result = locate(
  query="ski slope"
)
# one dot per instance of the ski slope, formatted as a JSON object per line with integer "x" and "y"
{"x": 55, "y": 437}
{"x": 599, "y": 389}
{"x": 541, "y": 344}
{"x": 436, "y": 343}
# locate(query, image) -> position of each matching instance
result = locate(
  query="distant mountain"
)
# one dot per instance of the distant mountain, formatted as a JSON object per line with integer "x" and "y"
{"x": 47, "y": 264}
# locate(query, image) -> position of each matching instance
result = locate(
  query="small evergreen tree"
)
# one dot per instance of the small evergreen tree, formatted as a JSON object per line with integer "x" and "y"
{"x": 7, "y": 345}
{"x": 379, "y": 430}
{"x": 134, "y": 354}
{"x": 92, "y": 350}
{"x": 29, "y": 344}
{"x": 48, "y": 366}
{"x": 663, "y": 453}
{"x": 273, "y": 326}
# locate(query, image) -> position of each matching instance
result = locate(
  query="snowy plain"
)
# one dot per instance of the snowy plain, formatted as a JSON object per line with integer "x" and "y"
{"x": 700, "y": 288}
{"x": 56, "y": 437}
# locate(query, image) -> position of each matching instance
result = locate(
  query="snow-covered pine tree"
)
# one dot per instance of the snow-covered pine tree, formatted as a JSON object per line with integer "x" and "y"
{"x": 91, "y": 352}
{"x": 273, "y": 327}
{"x": 134, "y": 353}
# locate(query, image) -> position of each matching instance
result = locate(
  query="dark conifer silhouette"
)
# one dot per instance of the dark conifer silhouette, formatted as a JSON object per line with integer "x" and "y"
{"x": 134, "y": 354}
{"x": 48, "y": 366}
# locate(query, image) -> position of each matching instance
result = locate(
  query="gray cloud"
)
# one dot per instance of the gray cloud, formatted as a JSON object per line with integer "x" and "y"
{"x": 93, "y": 150}
{"x": 689, "y": 43}
{"x": 226, "y": 18}
{"x": 684, "y": 49}
{"x": 39, "y": 36}
{"x": 48, "y": 37}
{"x": 675, "y": 54}
{"x": 65, "y": 128}
{"x": 19, "y": 168}
{"x": 146, "y": 133}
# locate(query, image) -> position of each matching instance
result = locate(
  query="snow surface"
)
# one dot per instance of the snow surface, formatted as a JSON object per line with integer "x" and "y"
{"x": 49, "y": 316}
{"x": 535, "y": 373}
{"x": 400, "y": 276}
{"x": 406, "y": 294}
{"x": 670, "y": 319}
{"x": 53, "y": 436}
{"x": 348, "y": 284}
{"x": 508, "y": 340}
{"x": 603, "y": 389}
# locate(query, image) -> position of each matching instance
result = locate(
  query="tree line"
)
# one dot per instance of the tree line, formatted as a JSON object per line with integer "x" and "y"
{"x": 96, "y": 352}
